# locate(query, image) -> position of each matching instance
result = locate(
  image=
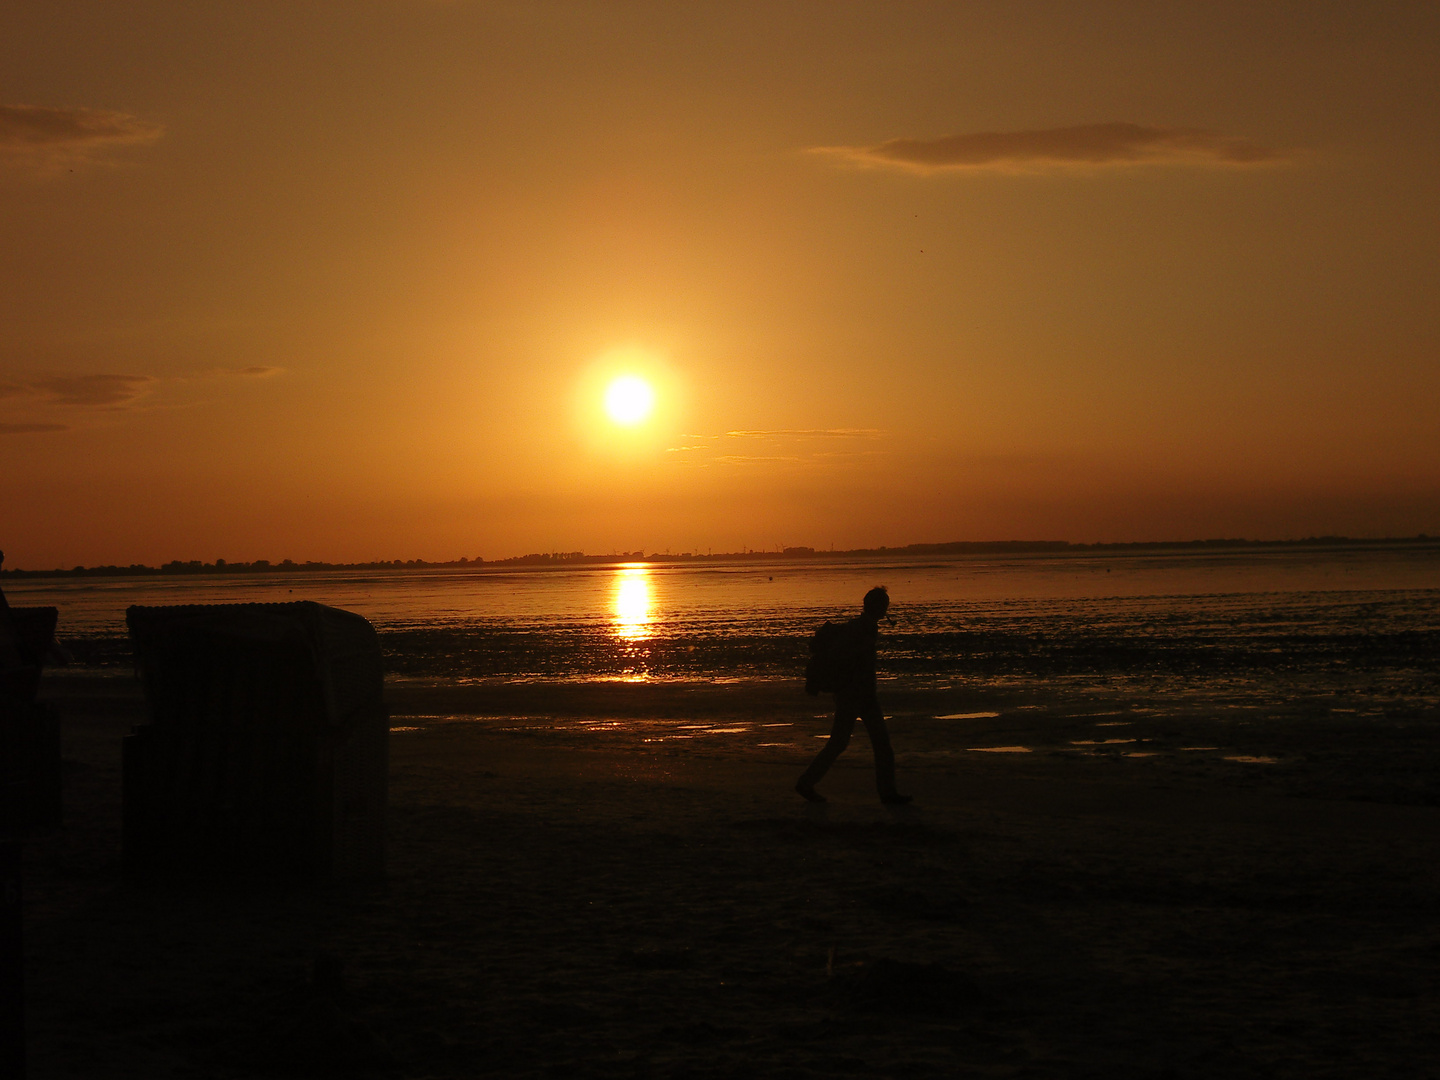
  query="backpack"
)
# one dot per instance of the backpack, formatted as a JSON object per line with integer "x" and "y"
{"x": 822, "y": 670}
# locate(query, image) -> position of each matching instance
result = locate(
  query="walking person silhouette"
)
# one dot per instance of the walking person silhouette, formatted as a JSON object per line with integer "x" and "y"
{"x": 855, "y": 698}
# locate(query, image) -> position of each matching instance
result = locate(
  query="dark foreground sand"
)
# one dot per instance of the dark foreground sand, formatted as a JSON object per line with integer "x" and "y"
{"x": 568, "y": 899}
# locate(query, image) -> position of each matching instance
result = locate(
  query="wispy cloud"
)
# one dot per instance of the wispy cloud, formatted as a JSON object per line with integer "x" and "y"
{"x": 44, "y": 136}
{"x": 102, "y": 391}
{"x": 808, "y": 433}
{"x": 51, "y": 394}
{"x": 117, "y": 391}
{"x": 755, "y": 459}
{"x": 1089, "y": 146}
{"x": 795, "y": 446}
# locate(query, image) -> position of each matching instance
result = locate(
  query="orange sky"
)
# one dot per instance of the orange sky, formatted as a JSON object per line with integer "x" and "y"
{"x": 343, "y": 281}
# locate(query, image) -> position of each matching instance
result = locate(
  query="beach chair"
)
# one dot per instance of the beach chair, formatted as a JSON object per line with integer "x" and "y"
{"x": 265, "y": 754}
{"x": 29, "y": 799}
{"x": 29, "y": 732}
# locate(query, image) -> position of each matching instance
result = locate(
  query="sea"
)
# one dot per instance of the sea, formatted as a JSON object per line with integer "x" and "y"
{"x": 1230, "y": 621}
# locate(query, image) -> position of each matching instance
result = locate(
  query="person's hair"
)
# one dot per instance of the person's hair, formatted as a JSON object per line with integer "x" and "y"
{"x": 877, "y": 599}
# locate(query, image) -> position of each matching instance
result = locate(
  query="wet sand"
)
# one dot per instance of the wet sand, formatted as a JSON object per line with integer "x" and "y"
{"x": 579, "y": 887}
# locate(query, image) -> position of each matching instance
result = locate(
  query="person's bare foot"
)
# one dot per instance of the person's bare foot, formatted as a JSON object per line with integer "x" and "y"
{"x": 808, "y": 792}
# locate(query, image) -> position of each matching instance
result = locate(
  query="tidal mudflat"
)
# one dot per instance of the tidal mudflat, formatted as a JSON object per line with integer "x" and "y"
{"x": 614, "y": 879}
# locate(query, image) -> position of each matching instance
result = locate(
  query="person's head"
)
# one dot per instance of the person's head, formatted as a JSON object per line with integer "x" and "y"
{"x": 877, "y": 602}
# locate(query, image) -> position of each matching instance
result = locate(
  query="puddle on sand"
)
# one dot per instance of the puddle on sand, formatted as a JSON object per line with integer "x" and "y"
{"x": 968, "y": 716}
{"x": 1100, "y": 742}
{"x": 1000, "y": 749}
{"x": 1251, "y": 759}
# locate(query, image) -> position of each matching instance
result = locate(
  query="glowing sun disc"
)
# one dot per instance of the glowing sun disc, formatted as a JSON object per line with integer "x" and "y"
{"x": 629, "y": 399}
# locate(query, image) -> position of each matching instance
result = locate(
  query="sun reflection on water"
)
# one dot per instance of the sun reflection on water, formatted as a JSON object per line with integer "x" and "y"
{"x": 632, "y": 616}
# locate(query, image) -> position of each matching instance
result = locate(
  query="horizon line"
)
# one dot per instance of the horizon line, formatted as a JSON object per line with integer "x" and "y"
{"x": 573, "y": 558}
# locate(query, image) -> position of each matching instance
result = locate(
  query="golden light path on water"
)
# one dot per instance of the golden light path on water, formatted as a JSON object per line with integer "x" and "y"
{"x": 632, "y": 606}
{"x": 632, "y": 618}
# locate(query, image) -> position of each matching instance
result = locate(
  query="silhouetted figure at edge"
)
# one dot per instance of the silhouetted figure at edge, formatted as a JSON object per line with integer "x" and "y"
{"x": 855, "y": 697}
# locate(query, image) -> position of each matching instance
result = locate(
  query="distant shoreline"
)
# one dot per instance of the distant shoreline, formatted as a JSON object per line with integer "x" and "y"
{"x": 573, "y": 559}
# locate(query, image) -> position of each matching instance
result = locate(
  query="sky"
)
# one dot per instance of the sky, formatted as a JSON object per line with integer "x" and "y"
{"x": 348, "y": 281}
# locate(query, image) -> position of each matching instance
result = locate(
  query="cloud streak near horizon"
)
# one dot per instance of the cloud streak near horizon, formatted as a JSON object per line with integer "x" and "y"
{"x": 42, "y": 135}
{"x": 116, "y": 391}
{"x": 787, "y": 445}
{"x": 95, "y": 391}
{"x": 808, "y": 433}
{"x": 103, "y": 393}
{"x": 1085, "y": 147}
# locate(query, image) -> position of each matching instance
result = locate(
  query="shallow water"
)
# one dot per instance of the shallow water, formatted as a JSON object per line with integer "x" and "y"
{"x": 637, "y": 598}
{"x": 1254, "y": 627}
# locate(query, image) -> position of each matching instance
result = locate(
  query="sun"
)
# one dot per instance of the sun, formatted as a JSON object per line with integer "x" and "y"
{"x": 629, "y": 400}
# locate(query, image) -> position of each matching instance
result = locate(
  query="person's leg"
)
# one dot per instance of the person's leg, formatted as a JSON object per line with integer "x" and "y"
{"x": 844, "y": 724}
{"x": 879, "y": 733}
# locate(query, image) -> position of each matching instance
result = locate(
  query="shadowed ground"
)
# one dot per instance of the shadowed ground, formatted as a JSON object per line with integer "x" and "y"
{"x": 567, "y": 898}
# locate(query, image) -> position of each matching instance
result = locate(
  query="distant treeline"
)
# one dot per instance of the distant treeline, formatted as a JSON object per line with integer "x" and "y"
{"x": 579, "y": 558}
